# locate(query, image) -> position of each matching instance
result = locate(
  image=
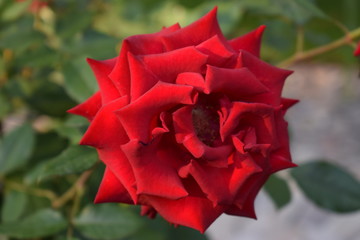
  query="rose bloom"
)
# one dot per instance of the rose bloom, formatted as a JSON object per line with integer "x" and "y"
{"x": 357, "y": 50}
{"x": 189, "y": 125}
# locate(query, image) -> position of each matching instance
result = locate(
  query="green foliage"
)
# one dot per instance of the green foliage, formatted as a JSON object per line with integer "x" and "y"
{"x": 40, "y": 224}
{"x": 107, "y": 221}
{"x": 47, "y": 181}
{"x": 278, "y": 190}
{"x": 16, "y": 148}
{"x": 328, "y": 186}
{"x": 74, "y": 159}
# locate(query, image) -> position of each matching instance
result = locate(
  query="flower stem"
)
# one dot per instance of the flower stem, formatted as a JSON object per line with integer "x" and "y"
{"x": 71, "y": 192}
{"x": 33, "y": 191}
{"x": 303, "y": 55}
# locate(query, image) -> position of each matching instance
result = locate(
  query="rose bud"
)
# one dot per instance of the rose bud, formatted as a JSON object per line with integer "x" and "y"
{"x": 189, "y": 124}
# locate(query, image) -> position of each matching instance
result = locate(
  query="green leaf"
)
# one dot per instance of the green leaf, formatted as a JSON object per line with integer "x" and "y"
{"x": 328, "y": 186}
{"x": 20, "y": 39}
{"x": 48, "y": 145}
{"x": 107, "y": 221}
{"x": 300, "y": 11}
{"x": 72, "y": 23}
{"x": 4, "y": 105}
{"x": 78, "y": 86}
{"x": 278, "y": 190}
{"x": 16, "y": 148}
{"x": 181, "y": 233}
{"x": 13, "y": 206}
{"x": 95, "y": 45}
{"x": 74, "y": 159}
{"x": 41, "y": 224}
{"x": 15, "y": 10}
{"x": 50, "y": 99}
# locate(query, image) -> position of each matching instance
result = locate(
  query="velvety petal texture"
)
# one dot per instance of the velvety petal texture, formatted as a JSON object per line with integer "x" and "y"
{"x": 189, "y": 125}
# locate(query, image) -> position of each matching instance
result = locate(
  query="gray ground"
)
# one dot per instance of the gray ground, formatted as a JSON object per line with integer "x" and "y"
{"x": 325, "y": 125}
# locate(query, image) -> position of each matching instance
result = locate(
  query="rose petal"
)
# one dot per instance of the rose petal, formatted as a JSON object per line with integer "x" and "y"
{"x": 194, "y": 212}
{"x": 112, "y": 190}
{"x": 185, "y": 134}
{"x": 212, "y": 180}
{"x": 106, "y": 131}
{"x": 272, "y": 77}
{"x": 193, "y": 79}
{"x": 260, "y": 115}
{"x": 288, "y": 103}
{"x": 244, "y": 202}
{"x": 235, "y": 83}
{"x": 218, "y": 52}
{"x": 357, "y": 50}
{"x": 138, "y": 117}
{"x": 117, "y": 162}
{"x": 138, "y": 73}
{"x": 137, "y": 45}
{"x": 167, "y": 66}
{"x": 101, "y": 70}
{"x": 155, "y": 168}
{"x": 281, "y": 158}
{"x": 250, "y": 42}
{"x": 195, "y": 33}
{"x": 89, "y": 108}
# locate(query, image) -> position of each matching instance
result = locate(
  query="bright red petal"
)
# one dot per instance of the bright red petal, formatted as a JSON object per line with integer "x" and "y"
{"x": 195, "y": 33}
{"x": 106, "y": 131}
{"x": 89, "y": 108}
{"x": 250, "y": 42}
{"x": 137, "y": 45}
{"x": 218, "y": 52}
{"x": 194, "y": 212}
{"x": 167, "y": 66}
{"x": 101, "y": 70}
{"x": 112, "y": 190}
{"x": 272, "y": 77}
{"x": 357, "y": 51}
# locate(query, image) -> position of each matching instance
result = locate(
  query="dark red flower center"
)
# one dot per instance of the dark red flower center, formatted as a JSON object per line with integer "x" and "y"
{"x": 206, "y": 119}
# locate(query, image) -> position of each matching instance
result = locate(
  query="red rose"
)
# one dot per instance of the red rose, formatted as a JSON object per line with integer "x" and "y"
{"x": 189, "y": 124}
{"x": 357, "y": 51}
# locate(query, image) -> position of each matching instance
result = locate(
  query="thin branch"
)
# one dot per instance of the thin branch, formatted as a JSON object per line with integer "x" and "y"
{"x": 300, "y": 56}
{"x": 72, "y": 191}
{"x": 33, "y": 191}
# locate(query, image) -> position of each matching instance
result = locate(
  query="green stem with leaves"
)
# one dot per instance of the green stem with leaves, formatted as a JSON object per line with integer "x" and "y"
{"x": 300, "y": 55}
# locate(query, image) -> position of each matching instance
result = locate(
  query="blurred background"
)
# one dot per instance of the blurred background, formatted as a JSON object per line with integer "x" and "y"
{"x": 45, "y": 193}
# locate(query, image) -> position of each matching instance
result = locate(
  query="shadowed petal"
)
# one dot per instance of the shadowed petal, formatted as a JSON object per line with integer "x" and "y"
{"x": 261, "y": 116}
{"x": 155, "y": 168}
{"x": 235, "y": 83}
{"x": 220, "y": 185}
{"x": 139, "y": 118}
